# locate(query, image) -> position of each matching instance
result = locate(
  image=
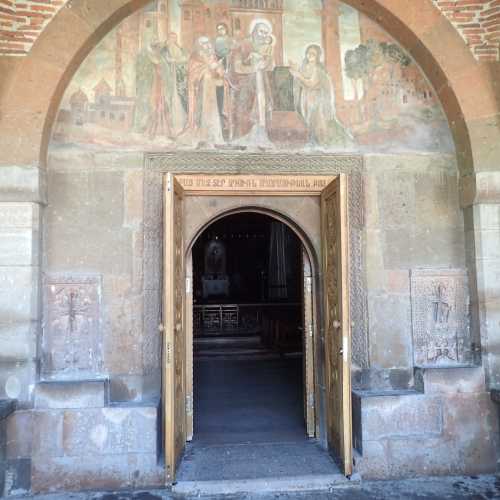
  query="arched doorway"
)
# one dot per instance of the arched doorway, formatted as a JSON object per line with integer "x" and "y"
{"x": 253, "y": 359}
{"x": 320, "y": 287}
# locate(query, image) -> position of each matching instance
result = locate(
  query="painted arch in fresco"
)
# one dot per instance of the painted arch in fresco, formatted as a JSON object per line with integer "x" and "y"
{"x": 251, "y": 75}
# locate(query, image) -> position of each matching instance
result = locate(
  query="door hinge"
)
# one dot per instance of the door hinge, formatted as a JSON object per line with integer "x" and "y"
{"x": 189, "y": 404}
{"x": 169, "y": 183}
{"x": 188, "y": 285}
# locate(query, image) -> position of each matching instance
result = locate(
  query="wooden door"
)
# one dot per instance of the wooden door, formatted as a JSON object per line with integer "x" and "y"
{"x": 308, "y": 346}
{"x": 337, "y": 327}
{"x": 174, "y": 342}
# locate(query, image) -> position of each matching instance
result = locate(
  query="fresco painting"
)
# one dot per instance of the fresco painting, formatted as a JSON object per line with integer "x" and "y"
{"x": 251, "y": 75}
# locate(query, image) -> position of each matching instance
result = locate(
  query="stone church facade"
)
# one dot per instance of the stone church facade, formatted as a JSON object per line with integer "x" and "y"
{"x": 406, "y": 108}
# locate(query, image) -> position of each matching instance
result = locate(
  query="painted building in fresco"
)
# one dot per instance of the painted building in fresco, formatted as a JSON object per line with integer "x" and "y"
{"x": 252, "y": 75}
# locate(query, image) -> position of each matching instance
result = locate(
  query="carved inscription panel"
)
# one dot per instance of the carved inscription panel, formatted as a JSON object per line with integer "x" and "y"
{"x": 71, "y": 342}
{"x": 440, "y": 317}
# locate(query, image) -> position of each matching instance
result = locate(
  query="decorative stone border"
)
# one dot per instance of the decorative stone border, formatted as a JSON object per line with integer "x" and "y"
{"x": 156, "y": 164}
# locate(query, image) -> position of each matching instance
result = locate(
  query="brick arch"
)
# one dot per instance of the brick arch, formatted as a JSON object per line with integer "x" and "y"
{"x": 31, "y": 97}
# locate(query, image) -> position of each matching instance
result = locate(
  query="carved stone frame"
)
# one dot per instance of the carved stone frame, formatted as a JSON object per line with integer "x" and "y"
{"x": 157, "y": 164}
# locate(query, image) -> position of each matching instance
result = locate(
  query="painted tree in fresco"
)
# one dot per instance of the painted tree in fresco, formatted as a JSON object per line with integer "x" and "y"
{"x": 364, "y": 63}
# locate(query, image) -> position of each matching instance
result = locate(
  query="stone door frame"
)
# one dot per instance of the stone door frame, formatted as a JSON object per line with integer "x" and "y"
{"x": 193, "y": 162}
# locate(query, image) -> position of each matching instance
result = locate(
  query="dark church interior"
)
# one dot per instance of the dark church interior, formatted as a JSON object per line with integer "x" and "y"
{"x": 247, "y": 293}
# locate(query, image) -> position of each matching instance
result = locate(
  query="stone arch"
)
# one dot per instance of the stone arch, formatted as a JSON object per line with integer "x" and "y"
{"x": 295, "y": 226}
{"x": 31, "y": 98}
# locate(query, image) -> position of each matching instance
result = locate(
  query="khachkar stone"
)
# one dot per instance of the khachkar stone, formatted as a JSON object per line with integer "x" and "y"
{"x": 440, "y": 317}
{"x": 71, "y": 344}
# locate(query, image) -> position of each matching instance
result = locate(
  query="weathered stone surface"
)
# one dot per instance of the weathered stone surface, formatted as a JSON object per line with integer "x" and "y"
{"x": 108, "y": 431}
{"x": 440, "y": 317}
{"x": 19, "y": 293}
{"x": 400, "y": 416}
{"x": 22, "y": 183}
{"x": 457, "y": 434}
{"x": 113, "y": 447}
{"x": 20, "y": 432}
{"x": 71, "y": 344}
{"x": 71, "y": 394}
{"x": 450, "y": 380}
{"x": 481, "y": 187}
{"x": 47, "y": 434}
{"x": 107, "y": 472}
{"x": 18, "y": 341}
{"x": 389, "y": 319}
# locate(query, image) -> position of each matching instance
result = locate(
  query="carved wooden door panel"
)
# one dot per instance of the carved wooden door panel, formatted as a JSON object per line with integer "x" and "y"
{"x": 335, "y": 250}
{"x": 174, "y": 342}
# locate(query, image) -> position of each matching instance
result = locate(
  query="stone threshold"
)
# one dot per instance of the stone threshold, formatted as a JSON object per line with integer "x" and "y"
{"x": 293, "y": 484}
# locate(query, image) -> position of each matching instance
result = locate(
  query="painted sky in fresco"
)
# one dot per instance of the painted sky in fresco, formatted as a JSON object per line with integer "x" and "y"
{"x": 167, "y": 78}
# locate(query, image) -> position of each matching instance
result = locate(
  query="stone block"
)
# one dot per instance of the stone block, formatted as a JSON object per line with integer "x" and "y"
{"x": 47, "y": 434}
{"x": 18, "y": 341}
{"x": 400, "y": 416}
{"x": 443, "y": 246}
{"x": 20, "y": 432}
{"x": 109, "y": 472}
{"x": 22, "y": 183}
{"x": 471, "y": 424}
{"x": 487, "y": 244}
{"x": 487, "y": 216}
{"x": 71, "y": 394}
{"x": 390, "y": 319}
{"x": 19, "y": 293}
{"x": 111, "y": 430}
{"x": 488, "y": 280}
{"x": 376, "y": 379}
{"x": 19, "y": 247}
{"x": 396, "y": 199}
{"x": 450, "y": 380}
{"x": 436, "y": 200}
{"x": 480, "y": 188}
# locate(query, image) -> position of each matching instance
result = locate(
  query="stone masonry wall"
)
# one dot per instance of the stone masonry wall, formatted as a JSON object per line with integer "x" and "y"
{"x": 22, "y": 21}
{"x": 478, "y": 22}
{"x": 413, "y": 221}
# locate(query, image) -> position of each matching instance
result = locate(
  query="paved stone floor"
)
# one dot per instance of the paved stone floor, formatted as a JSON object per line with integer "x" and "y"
{"x": 455, "y": 488}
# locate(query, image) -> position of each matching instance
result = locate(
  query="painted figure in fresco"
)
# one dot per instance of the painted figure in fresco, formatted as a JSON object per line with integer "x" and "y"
{"x": 249, "y": 79}
{"x": 315, "y": 101}
{"x": 223, "y": 43}
{"x": 223, "y": 46}
{"x": 176, "y": 61}
{"x": 205, "y": 76}
{"x": 152, "y": 80}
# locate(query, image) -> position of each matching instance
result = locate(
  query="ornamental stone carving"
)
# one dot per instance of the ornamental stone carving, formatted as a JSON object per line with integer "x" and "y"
{"x": 440, "y": 317}
{"x": 71, "y": 334}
